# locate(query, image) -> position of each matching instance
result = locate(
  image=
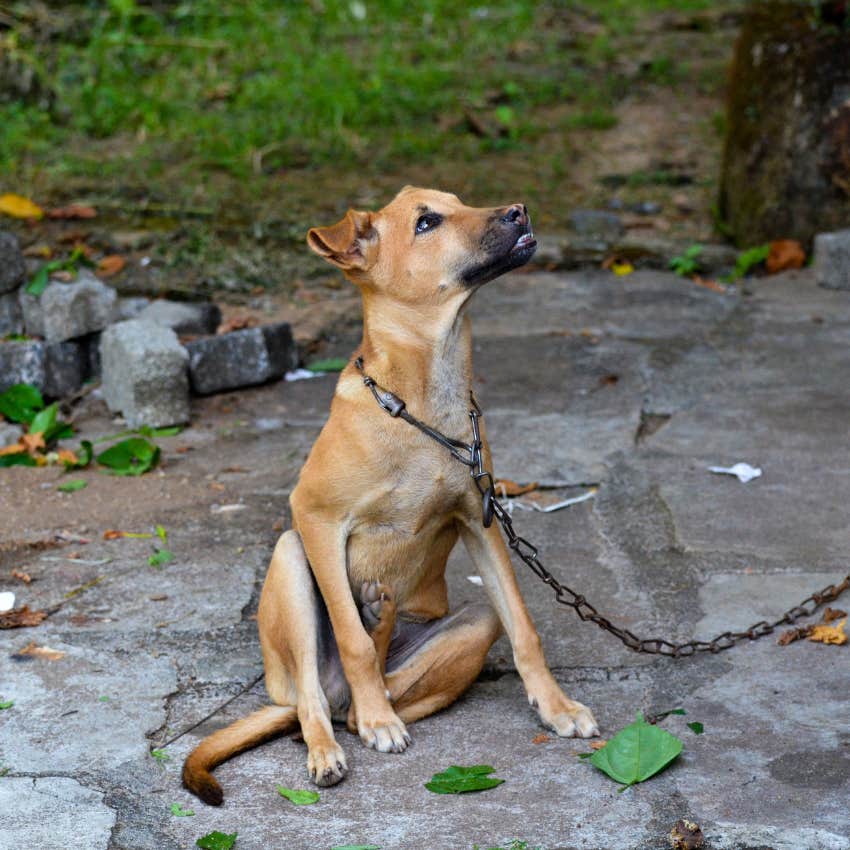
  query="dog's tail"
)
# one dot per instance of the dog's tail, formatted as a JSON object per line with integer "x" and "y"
{"x": 250, "y": 731}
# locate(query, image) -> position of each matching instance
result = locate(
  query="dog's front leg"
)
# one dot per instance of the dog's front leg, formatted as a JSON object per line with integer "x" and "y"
{"x": 493, "y": 561}
{"x": 378, "y": 725}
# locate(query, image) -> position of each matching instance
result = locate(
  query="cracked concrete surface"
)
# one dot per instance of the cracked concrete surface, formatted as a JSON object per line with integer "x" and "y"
{"x": 634, "y": 384}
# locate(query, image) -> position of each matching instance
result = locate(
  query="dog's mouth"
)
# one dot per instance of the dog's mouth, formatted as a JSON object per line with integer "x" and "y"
{"x": 506, "y": 258}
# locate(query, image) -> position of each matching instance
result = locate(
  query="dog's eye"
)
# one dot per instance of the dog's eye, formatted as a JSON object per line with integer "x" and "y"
{"x": 428, "y": 221}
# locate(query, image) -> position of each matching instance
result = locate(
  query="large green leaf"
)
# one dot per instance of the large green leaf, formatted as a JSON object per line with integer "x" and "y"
{"x": 217, "y": 841}
{"x": 130, "y": 457}
{"x": 18, "y": 459}
{"x": 460, "y": 780}
{"x": 297, "y": 796}
{"x": 637, "y": 752}
{"x": 21, "y": 402}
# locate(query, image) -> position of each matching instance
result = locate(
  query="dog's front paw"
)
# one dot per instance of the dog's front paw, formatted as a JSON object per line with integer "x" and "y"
{"x": 386, "y": 736}
{"x": 326, "y": 765}
{"x": 570, "y": 719}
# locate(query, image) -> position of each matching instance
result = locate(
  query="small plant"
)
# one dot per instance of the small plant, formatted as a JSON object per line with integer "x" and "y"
{"x": 748, "y": 259}
{"x": 687, "y": 264}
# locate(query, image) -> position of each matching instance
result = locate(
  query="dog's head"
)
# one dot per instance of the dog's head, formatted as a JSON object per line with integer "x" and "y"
{"x": 426, "y": 245}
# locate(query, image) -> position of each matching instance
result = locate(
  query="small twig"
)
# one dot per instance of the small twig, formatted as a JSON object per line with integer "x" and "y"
{"x": 215, "y": 711}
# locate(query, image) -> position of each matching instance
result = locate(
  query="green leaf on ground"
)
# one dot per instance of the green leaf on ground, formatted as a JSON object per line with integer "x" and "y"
{"x": 748, "y": 259}
{"x": 38, "y": 283}
{"x": 179, "y": 812}
{"x": 460, "y": 780}
{"x": 160, "y": 755}
{"x": 331, "y": 364}
{"x": 677, "y": 711}
{"x": 21, "y": 403}
{"x": 19, "y": 459}
{"x": 696, "y": 727}
{"x": 637, "y": 752}
{"x": 162, "y": 534}
{"x": 84, "y": 456}
{"x": 153, "y": 433}
{"x": 134, "y": 456}
{"x": 160, "y": 557}
{"x": 300, "y": 798}
{"x": 4, "y": 770}
{"x": 217, "y": 841}
{"x": 72, "y": 486}
{"x": 7, "y": 704}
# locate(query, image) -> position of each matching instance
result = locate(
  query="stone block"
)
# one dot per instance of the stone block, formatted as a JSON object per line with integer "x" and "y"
{"x": 12, "y": 268}
{"x": 9, "y": 433}
{"x": 241, "y": 358}
{"x": 68, "y": 310}
{"x": 596, "y": 224}
{"x": 184, "y": 317}
{"x": 11, "y": 316}
{"x": 129, "y": 308}
{"x": 144, "y": 374}
{"x": 57, "y": 369}
{"x": 832, "y": 259}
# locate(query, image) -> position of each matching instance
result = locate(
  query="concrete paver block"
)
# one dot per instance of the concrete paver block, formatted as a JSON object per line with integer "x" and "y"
{"x": 832, "y": 259}
{"x": 68, "y": 310}
{"x": 144, "y": 373}
{"x": 12, "y": 268}
{"x": 183, "y": 317}
{"x": 241, "y": 358}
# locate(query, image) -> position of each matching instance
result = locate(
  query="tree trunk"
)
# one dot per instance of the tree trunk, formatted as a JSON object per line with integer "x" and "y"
{"x": 786, "y": 163}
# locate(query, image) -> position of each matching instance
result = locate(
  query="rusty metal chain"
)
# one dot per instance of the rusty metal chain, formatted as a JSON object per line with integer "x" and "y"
{"x": 471, "y": 455}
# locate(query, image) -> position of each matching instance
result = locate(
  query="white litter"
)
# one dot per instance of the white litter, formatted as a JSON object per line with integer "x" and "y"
{"x": 742, "y": 471}
{"x": 7, "y": 601}
{"x": 475, "y": 580}
{"x": 226, "y": 509}
{"x": 302, "y": 375}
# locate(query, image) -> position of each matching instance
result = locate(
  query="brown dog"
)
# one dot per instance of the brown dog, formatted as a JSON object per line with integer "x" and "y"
{"x": 353, "y": 617}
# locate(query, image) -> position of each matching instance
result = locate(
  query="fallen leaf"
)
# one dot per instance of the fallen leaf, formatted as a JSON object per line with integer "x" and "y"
{"x": 45, "y": 252}
{"x": 21, "y": 576}
{"x": 6, "y": 704}
{"x": 609, "y": 380}
{"x": 179, "y": 812}
{"x": 637, "y": 752}
{"x": 686, "y": 835}
{"x": 540, "y": 739}
{"x": 33, "y": 650}
{"x": 713, "y": 285}
{"x": 217, "y": 840}
{"x": 597, "y": 745}
{"x": 72, "y": 486}
{"x": 134, "y": 456}
{"x": 160, "y": 557}
{"x": 21, "y": 617}
{"x": 72, "y": 211}
{"x": 356, "y": 847}
{"x": 15, "y": 449}
{"x": 622, "y": 269}
{"x": 111, "y": 265}
{"x": 831, "y": 614}
{"x": 506, "y": 487}
{"x": 330, "y": 364}
{"x": 461, "y": 780}
{"x": 785, "y": 254}
{"x": 791, "y": 635}
{"x": 62, "y": 275}
{"x": 297, "y": 796}
{"x": 237, "y": 323}
{"x": 696, "y": 727}
{"x": 66, "y": 456}
{"x": 823, "y": 633}
{"x": 112, "y": 534}
{"x": 160, "y": 755}
{"x": 18, "y": 206}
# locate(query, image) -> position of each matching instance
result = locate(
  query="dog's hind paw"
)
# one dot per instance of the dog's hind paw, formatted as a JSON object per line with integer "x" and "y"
{"x": 326, "y": 766}
{"x": 376, "y": 603}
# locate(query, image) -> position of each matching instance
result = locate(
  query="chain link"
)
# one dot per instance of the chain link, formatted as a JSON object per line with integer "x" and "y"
{"x": 528, "y": 554}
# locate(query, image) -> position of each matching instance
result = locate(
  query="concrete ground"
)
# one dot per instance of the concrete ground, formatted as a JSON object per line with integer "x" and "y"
{"x": 635, "y": 384}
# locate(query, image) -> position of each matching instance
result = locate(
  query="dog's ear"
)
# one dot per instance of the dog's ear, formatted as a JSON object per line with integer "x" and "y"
{"x": 343, "y": 243}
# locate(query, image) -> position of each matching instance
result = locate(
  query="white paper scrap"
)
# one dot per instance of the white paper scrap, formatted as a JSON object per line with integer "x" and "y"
{"x": 7, "y": 601}
{"x": 742, "y": 471}
{"x": 302, "y": 375}
{"x": 475, "y": 580}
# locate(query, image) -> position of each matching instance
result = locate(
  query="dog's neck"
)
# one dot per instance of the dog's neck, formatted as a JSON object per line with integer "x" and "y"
{"x": 422, "y": 354}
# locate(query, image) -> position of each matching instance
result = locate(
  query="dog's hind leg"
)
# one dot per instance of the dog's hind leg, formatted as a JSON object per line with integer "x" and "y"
{"x": 431, "y": 664}
{"x": 297, "y": 644}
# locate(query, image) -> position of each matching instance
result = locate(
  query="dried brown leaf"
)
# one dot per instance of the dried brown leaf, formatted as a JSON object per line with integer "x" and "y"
{"x": 686, "y": 835}
{"x": 791, "y": 635}
{"x": 21, "y": 617}
{"x": 26, "y": 578}
{"x": 110, "y": 265}
{"x": 597, "y": 745}
{"x": 33, "y": 650}
{"x": 785, "y": 254}
{"x": 836, "y": 635}
{"x": 541, "y": 739}
{"x": 72, "y": 211}
{"x": 832, "y": 614}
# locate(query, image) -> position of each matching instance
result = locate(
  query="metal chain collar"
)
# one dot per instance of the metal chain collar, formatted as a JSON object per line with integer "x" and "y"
{"x": 470, "y": 454}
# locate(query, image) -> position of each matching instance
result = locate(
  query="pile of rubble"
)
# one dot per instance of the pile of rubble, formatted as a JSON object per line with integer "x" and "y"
{"x": 81, "y": 330}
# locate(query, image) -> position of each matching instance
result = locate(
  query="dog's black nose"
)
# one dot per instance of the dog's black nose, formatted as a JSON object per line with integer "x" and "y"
{"x": 516, "y": 214}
